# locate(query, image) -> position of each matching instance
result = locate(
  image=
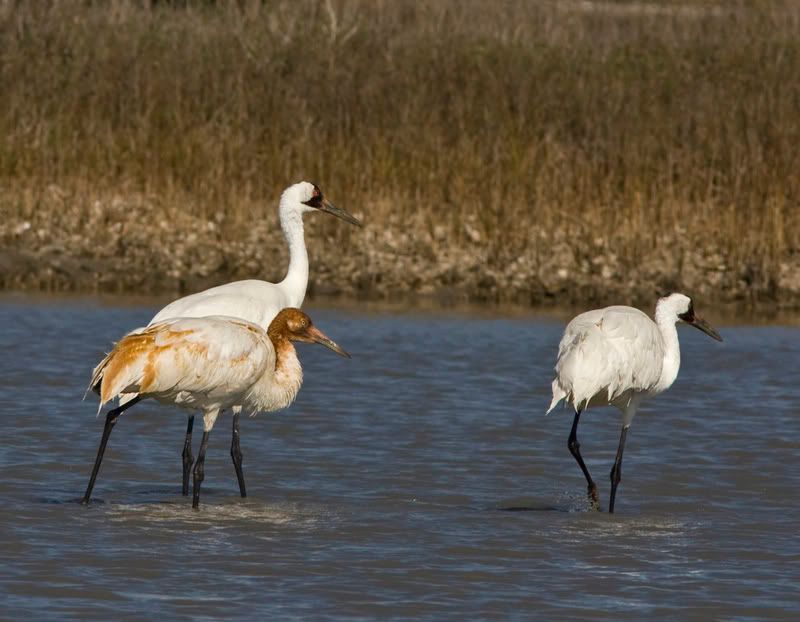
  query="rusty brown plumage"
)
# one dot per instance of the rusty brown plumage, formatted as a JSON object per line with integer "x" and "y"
{"x": 282, "y": 327}
{"x": 294, "y": 325}
{"x": 209, "y": 364}
{"x": 128, "y": 352}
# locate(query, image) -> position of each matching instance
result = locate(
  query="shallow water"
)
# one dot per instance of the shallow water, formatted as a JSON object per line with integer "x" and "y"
{"x": 381, "y": 492}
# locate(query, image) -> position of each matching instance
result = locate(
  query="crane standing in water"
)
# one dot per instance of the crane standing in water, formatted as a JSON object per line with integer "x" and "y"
{"x": 618, "y": 356}
{"x": 253, "y": 300}
{"x": 206, "y": 364}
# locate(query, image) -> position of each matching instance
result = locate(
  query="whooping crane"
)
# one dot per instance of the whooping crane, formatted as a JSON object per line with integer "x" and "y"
{"x": 206, "y": 364}
{"x": 618, "y": 356}
{"x": 257, "y": 301}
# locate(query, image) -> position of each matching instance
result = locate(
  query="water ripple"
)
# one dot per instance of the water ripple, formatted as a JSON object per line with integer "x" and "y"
{"x": 419, "y": 480}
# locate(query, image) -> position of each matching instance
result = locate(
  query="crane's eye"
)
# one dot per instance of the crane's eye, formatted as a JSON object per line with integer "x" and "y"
{"x": 298, "y": 325}
{"x": 315, "y": 200}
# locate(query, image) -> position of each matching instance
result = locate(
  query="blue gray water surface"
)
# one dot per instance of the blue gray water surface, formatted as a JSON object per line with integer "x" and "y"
{"x": 384, "y": 490}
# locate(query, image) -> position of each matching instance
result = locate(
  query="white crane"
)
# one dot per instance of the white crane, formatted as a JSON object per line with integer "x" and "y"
{"x": 206, "y": 364}
{"x": 618, "y": 356}
{"x": 256, "y": 301}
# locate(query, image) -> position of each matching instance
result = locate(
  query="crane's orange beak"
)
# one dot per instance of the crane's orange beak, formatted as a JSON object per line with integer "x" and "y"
{"x": 315, "y": 335}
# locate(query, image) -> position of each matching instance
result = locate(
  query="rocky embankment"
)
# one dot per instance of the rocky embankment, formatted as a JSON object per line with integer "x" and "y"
{"x": 135, "y": 245}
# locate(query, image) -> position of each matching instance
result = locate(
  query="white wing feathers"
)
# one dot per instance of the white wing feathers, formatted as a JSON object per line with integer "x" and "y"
{"x": 212, "y": 358}
{"x": 607, "y": 354}
{"x": 254, "y": 301}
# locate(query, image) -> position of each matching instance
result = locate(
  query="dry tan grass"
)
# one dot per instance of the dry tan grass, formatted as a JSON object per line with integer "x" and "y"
{"x": 639, "y": 124}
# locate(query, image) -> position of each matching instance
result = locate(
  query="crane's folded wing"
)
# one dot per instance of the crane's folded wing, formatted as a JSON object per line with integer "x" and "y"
{"x": 609, "y": 351}
{"x": 207, "y": 356}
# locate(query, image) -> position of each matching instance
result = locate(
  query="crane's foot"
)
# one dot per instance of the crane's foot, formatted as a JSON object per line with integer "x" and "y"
{"x": 594, "y": 498}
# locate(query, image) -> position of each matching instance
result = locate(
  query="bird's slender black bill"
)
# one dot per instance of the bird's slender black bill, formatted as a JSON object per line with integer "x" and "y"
{"x": 706, "y": 328}
{"x": 329, "y": 207}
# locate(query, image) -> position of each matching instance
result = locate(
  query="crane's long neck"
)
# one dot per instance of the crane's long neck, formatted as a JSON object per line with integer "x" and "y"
{"x": 278, "y": 388}
{"x": 296, "y": 279}
{"x": 666, "y": 319}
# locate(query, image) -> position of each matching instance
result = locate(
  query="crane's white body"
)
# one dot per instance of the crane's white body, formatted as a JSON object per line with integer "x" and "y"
{"x": 253, "y": 300}
{"x": 206, "y": 364}
{"x": 619, "y": 356}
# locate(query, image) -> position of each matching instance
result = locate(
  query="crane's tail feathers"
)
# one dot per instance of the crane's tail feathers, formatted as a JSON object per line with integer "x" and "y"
{"x": 120, "y": 372}
{"x": 97, "y": 375}
{"x": 96, "y": 382}
{"x": 558, "y": 395}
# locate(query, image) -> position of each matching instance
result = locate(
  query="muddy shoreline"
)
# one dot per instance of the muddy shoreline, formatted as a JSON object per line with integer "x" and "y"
{"x": 135, "y": 246}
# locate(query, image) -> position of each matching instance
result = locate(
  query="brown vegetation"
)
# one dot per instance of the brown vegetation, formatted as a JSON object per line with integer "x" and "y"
{"x": 496, "y": 150}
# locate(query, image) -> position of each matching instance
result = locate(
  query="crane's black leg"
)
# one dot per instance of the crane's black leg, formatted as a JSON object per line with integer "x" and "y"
{"x": 111, "y": 419}
{"x": 199, "y": 471}
{"x": 616, "y": 470}
{"x": 187, "y": 457}
{"x": 236, "y": 455}
{"x": 575, "y": 450}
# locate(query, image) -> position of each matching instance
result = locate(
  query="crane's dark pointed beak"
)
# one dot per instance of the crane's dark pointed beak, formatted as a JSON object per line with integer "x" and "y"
{"x": 327, "y": 206}
{"x": 700, "y": 323}
{"x": 317, "y": 336}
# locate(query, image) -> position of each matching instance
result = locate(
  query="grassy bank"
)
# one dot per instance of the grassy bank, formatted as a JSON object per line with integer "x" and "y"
{"x": 500, "y": 150}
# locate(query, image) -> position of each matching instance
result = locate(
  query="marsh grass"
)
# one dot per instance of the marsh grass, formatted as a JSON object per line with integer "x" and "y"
{"x": 638, "y": 124}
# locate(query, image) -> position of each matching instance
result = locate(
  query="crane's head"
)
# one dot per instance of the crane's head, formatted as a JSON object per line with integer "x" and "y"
{"x": 293, "y": 325}
{"x": 682, "y": 307}
{"x": 307, "y": 197}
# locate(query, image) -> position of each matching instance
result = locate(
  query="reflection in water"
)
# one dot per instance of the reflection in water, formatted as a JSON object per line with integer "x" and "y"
{"x": 421, "y": 479}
